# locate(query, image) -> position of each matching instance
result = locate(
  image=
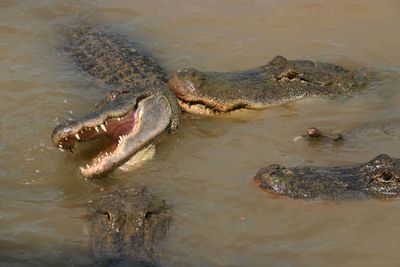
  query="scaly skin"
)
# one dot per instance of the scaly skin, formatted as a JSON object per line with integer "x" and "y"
{"x": 125, "y": 227}
{"x": 133, "y": 115}
{"x": 378, "y": 178}
{"x": 278, "y": 82}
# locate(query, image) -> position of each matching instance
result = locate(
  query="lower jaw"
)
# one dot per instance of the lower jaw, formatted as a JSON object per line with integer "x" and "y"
{"x": 197, "y": 108}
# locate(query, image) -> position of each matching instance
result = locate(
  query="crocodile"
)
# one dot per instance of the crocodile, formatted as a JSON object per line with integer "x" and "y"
{"x": 378, "y": 178}
{"x": 136, "y": 111}
{"x": 277, "y": 82}
{"x": 125, "y": 226}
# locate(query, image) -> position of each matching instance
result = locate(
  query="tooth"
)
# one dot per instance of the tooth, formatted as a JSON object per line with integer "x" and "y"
{"x": 98, "y": 160}
{"x": 87, "y": 165}
{"x": 97, "y": 129}
{"x": 77, "y": 136}
{"x": 62, "y": 150}
{"x": 82, "y": 169}
{"x": 119, "y": 119}
{"x": 103, "y": 127}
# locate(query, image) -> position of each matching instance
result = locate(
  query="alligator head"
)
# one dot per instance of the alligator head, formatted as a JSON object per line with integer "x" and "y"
{"x": 130, "y": 119}
{"x": 126, "y": 225}
{"x": 377, "y": 178}
{"x": 277, "y": 82}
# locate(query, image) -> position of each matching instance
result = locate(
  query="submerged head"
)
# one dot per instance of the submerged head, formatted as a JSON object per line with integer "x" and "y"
{"x": 378, "y": 178}
{"x": 125, "y": 226}
{"x": 129, "y": 119}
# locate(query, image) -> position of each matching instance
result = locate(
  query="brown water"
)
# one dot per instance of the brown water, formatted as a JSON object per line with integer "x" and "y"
{"x": 204, "y": 170}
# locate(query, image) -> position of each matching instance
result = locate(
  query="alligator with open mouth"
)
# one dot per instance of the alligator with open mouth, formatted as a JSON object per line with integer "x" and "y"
{"x": 277, "y": 82}
{"x": 134, "y": 114}
{"x": 377, "y": 178}
{"x": 126, "y": 225}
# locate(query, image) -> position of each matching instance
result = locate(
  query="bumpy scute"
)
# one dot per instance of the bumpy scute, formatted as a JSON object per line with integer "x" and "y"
{"x": 126, "y": 225}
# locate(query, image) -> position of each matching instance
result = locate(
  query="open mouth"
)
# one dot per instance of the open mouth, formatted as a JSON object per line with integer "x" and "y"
{"x": 116, "y": 129}
{"x": 129, "y": 127}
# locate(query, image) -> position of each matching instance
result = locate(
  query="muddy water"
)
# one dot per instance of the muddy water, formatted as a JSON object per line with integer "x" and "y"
{"x": 205, "y": 169}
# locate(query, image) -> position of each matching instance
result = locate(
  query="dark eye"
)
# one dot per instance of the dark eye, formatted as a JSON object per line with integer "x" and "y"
{"x": 114, "y": 93}
{"x": 147, "y": 215}
{"x": 384, "y": 176}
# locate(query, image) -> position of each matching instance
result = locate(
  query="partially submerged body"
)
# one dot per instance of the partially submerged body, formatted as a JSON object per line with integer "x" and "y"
{"x": 137, "y": 110}
{"x": 278, "y": 82}
{"x": 316, "y": 135}
{"x": 125, "y": 227}
{"x": 378, "y": 178}
{"x": 357, "y": 136}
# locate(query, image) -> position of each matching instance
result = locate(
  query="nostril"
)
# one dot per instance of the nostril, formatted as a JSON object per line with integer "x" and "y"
{"x": 108, "y": 215}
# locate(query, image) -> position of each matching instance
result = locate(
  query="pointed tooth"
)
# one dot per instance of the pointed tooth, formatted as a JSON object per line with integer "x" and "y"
{"x": 77, "y": 136}
{"x": 103, "y": 128}
{"x": 119, "y": 119}
{"x": 88, "y": 166}
{"x": 97, "y": 129}
{"x": 62, "y": 150}
{"x": 82, "y": 169}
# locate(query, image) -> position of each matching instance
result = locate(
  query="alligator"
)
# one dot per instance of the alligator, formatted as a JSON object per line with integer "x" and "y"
{"x": 277, "y": 82}
{"x": 125, "y": 226}
{"x": 138, "y": 109}
{"x": 378, "y": 178}
{"x": 388, "y": 128}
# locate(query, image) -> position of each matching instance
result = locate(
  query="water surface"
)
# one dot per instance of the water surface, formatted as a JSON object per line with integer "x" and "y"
{"x": 204, "y": 170}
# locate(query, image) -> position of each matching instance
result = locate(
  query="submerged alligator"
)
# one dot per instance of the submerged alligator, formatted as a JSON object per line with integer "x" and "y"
{"x": 125, "y": 226}
{"x": 315, "y": 134}
{"x": 378, "y": 178}
{"x": 278, "y": 82}
{"x": 133, "y": 115}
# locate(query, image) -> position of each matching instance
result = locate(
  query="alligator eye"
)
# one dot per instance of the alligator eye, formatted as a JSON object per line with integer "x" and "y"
{"x": 147, "y": 215}
{"x": 114, "y": 93}
{"x": 288, "y": 75}
{"x": 384, "y": 176}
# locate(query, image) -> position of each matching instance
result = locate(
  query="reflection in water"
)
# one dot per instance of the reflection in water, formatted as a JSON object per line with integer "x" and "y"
{"x": 205, "y": 169}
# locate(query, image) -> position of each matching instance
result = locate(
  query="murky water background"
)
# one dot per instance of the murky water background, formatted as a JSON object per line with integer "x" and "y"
{"x": 204, "y": 170}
